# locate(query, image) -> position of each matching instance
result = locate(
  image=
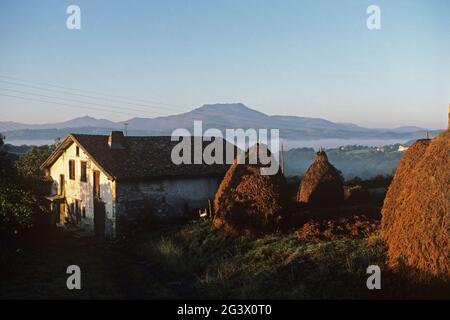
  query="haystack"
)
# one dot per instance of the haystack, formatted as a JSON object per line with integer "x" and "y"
{"x": 322, "y": 183}
{"x": 247, "y": 201}
{"x": 416, "y": 211}
{"x": 409, "y": 160}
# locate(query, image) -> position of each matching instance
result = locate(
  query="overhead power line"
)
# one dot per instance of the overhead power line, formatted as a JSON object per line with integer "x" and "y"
{"x": 91, "y": 95}
{"x": 63, "y": 104}
{"x": 83, "y": 102}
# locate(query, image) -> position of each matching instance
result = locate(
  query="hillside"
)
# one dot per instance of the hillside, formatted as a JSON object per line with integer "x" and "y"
{"x": 364, "y": 162}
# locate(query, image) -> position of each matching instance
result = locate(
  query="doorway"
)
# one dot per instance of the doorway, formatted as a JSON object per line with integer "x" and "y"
{"x": 62, "y": 212}
{"x": 61, "y": 184}
{"x": 99, "y": 218}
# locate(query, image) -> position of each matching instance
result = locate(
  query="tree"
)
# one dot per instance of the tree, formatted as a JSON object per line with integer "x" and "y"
{"x": 19, "y": 208}
{"x": 23, "y": 210}
{"x": 7, "y": 170}
{"x": 22, "y": 214}
{"x": 29, "y": 164}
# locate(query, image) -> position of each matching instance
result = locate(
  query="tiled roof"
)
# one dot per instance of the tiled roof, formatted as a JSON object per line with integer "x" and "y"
{"x": 140, "y": 158}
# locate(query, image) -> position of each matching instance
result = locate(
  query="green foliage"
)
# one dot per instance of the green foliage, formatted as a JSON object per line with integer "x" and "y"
{"x": 19, "y": 208}
{"x": 7, "y": 170}
{"x": 6, "y": 167}
{"x": 379, "y": 181}
{"x": 22, "y": 209}
{"x": 29, "y": 163}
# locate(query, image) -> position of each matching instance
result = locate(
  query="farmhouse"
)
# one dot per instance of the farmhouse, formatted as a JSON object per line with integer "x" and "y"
{"x": 105, "y": 183}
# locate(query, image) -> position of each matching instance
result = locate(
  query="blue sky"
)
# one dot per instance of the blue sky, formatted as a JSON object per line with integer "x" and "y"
{"x": 306, "y": 58}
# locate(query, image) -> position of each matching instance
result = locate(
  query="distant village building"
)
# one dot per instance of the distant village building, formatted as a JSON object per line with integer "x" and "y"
{"x": 105, "y": 182}
{"x": 402, "y": 148}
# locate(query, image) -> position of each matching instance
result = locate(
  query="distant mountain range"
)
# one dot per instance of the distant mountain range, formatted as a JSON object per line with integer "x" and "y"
{"x": 220, "y": 116}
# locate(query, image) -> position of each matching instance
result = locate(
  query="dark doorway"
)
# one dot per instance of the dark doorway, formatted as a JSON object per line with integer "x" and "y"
{"x": 78, "y": 211}
{"x": 99, "y": 218}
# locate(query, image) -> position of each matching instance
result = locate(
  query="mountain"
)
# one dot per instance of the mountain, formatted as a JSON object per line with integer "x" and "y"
{"x": 220, "y": 116}
{"x": 85, "y": 121}
{"x": 408, "y": 129}
{"x": 240, "y": 116}
{"x": 212, "y": 115}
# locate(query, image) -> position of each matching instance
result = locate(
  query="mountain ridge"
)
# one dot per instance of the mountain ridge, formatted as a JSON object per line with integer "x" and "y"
{"x": 221, "y": 116}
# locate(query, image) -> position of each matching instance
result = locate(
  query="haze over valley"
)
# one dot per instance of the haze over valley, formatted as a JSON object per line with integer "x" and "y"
{"x": 295, "y": 131}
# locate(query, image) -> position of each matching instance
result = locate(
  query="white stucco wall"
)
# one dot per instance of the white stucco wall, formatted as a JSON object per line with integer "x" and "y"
{"x": 83, "y": 191}
{"x": 171, "y": 197}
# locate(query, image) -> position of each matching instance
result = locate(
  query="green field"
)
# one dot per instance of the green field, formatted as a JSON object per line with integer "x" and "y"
{"x": 195, "y": 261}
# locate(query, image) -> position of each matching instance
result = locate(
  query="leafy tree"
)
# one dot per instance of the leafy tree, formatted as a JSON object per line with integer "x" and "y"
{"x": 7, "y": 170}
{"x": 22, "y": 209}
{"x": 19, "y": 207}
{"x": 22, "y": 214}
{"x": 29, "y": 163}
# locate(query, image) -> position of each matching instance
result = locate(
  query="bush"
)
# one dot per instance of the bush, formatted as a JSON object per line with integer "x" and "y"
{"x": 28, "y": 165}
{"x": 21, "y": 213}
{"x": 23, "y": 210}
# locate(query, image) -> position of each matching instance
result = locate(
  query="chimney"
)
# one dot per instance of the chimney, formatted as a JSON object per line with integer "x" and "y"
{"x": 448, "y": 127}
{"x": 116, "y": 140}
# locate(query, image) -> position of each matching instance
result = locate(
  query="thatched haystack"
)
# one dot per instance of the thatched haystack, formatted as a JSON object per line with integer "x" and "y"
{"x": 248, "y": 202}
{"x": 416, "y": 211}
{"x": 409, "y": 160}
{"x": 322, "y": 183}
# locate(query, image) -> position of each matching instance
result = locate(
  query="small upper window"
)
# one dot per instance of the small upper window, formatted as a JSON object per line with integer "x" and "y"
{"x": 78, "y": 151}
{"x": 72, "y": 169}
{"x": 83, "y": 170}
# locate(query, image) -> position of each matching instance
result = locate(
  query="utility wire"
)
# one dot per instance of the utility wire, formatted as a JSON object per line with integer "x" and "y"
{"x": 93, "y": 92}
{"x": 81, "y": 101}
{"x": 62, "y": 104}
{"x": 114, "y": 98}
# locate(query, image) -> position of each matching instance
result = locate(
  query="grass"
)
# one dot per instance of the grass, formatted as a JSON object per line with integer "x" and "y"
{"x": 278, "y": 266}
{"x": 195, "y": 261}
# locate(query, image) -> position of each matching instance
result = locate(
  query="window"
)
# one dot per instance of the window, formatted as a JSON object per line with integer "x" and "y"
{"x": 83, "y": 212}
{"x": 83, "y": 171}
{"x": 97, "y": 184}
{"x": 72, "y": 169}
{"x": 78, "y": 151}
